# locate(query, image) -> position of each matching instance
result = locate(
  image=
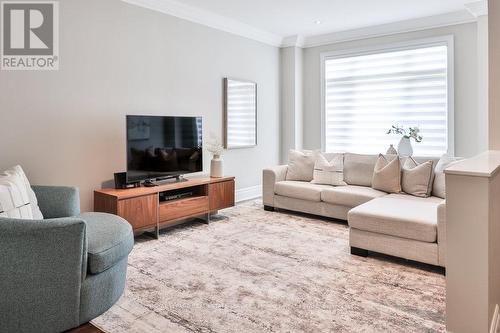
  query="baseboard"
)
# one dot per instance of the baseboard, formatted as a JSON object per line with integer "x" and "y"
{"x": 494, "y": 320}
{"x": 248, "y": 193}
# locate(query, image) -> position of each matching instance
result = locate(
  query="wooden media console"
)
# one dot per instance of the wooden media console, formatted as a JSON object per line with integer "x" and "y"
{"x": 153, "y": 208}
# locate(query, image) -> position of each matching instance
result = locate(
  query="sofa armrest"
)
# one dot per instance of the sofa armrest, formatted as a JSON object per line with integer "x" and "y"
{"x": 41, "y": 270}
{"x": 57, "y": 201}
{"x": 441, "y": 233}
{"x": 271, "y": 176}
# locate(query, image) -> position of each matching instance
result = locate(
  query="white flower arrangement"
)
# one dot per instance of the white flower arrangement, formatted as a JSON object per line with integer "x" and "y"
{"x": 410, "y": 133}
{"x": 214, "y": 145}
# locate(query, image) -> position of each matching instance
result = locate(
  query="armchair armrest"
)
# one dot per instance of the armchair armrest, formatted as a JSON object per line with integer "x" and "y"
{"x": 57, "y": 201}
{"x": 41, "y": 270}
{"x": 271, "y": 176}
{"x": 441, "y": 232}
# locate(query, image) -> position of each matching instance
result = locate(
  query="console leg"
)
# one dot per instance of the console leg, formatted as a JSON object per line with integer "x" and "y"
{"x": 155, "y": 234}
{"x": 269, "y": 208}
{"x": 359, "y": 252}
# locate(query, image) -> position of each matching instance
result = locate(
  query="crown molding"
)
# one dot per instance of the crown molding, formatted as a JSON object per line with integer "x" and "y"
{"x": 424, "y": 23}
{"x": 478, "y": 8}
{"x": 212, "y": 20}
{"x": 175, "y": 8}
{"x": 296, "y": 40}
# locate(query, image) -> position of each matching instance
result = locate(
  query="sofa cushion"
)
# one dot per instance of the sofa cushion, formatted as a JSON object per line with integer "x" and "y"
{"x": 350, "y": 195}
{"x": 109, "y": 238}
{"x": 358, "y": 169}
{"x": 398, "y": 215}
{"x": 300, "y": 190}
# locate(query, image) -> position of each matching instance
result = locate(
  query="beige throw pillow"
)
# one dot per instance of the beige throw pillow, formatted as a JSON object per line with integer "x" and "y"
{"x": 416, "y": 179}
{"x": 300, "y": 165}
{"x": 329, "y": 172}
{"x": 387, "y": 175}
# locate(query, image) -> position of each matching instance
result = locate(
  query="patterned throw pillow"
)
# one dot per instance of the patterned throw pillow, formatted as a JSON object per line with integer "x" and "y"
{"x": 17, "y": 199}
{"x": 387, "y": 175}
{"x": 417, "y": 178}
{"x": 329, "y": 172}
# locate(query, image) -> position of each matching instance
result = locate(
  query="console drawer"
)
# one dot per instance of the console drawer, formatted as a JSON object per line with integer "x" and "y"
{"x": 171, "y": 210}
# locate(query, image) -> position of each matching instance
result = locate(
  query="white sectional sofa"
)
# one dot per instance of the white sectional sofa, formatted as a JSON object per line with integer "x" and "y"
{"x": 395, "y": 224}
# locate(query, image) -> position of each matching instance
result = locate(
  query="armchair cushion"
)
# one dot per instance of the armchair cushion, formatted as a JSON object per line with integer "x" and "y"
{"x": 110, "y": 239}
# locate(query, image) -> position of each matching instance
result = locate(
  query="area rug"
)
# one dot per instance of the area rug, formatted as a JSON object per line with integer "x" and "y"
{"x": 257, "y": 271}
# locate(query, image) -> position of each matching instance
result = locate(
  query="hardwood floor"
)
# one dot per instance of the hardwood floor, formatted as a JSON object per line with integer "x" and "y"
{"x": 85, "y": 328}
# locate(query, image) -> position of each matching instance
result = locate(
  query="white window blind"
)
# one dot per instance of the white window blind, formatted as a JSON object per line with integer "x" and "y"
{"x": 366, "y": 94}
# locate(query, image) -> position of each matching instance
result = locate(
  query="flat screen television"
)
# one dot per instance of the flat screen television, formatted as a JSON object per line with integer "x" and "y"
{"x": 161, "y": 147}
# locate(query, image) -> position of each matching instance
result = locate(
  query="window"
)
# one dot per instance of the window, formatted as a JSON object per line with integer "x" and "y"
{"x": 366, "y": 93}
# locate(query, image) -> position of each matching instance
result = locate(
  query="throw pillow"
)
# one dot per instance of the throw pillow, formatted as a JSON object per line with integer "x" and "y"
{"x": 387, "y": 175}
{"x": 329, "y": 172}
{"x": 300, "y": 165}
{"x": 14, "y": 200}
{"x": 416, "y": 179}
{"x": 14, "y": 179}
{"x": 438, "y": 188}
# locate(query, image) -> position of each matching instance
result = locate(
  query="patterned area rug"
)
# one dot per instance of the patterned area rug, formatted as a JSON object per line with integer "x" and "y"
{"x": 258, "y": 271}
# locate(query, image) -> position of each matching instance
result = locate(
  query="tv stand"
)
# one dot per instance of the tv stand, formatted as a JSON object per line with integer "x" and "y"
{"x": 164, "y": 205}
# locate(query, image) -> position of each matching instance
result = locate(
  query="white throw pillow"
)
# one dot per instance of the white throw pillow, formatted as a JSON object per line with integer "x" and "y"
{"x": 438, "y": 188}
{"x": 329, "y": 172}
{"x": 300, "y": 165}
{"x": 17, "y": 199}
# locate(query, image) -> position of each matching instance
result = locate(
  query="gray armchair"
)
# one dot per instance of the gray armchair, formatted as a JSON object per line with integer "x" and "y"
{"x": 63, "y": 271}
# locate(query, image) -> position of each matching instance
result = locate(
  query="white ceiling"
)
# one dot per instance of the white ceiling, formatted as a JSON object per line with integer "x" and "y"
{"x": 298, "y": 17}
{"x": 294, "y": 22}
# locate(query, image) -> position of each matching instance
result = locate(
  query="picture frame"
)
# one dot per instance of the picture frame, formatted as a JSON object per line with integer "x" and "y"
{"x": 240, "y": 113}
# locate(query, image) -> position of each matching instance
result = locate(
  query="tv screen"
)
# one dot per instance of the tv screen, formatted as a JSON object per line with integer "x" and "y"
{"x": 162, "y": 147}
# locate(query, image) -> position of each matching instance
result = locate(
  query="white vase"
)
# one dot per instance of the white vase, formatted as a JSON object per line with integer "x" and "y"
{"x": 391, "y": 150}
{"x": 404, "y": 147}
{"x": 216, "y": 167}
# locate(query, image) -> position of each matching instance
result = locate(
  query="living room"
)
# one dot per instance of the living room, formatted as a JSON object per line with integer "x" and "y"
{"x": 249, "y": 166}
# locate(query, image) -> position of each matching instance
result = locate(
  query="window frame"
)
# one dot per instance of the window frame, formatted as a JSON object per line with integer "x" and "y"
{"x": 446, "y": 40}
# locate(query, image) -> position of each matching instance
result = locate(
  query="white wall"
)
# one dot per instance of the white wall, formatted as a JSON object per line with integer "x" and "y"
{"x": 291, "y": 100}
{"x": 494, "y": 74}
{"x": 467, "y": 134}
{"x": 67, "y": 127}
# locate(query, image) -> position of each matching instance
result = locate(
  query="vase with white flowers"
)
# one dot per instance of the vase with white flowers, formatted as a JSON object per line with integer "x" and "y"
{"x": 214, "y": 146}
{"x": 404, "y": 146}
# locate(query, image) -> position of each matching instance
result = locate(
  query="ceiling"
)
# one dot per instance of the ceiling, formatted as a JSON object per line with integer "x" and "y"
{"x": 299, "y": 17}
{"x": 307, "y": 23}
